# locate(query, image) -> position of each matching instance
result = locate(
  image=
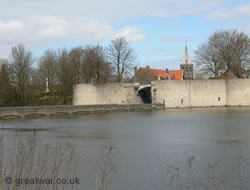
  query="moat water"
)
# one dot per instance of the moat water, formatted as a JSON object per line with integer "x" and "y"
{"x": 168, "y": 149}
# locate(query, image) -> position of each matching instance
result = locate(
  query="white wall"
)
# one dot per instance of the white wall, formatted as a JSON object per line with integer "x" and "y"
{"x": 109, "y": 93}
{"x": 200, "y": 93}
{"x": 181, "y": 93}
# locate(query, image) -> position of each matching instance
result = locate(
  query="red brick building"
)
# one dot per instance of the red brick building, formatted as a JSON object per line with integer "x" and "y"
{"x": 148, "y": 74}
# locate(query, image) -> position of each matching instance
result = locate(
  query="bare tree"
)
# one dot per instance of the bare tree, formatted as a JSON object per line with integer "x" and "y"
{"x": 47, "y": 67}
{"x": 234, "y": 48}
{"x": 7, "y": 92}
{"x": 224, "y": 50}
{"x": 88, "y": 60}
{"x": 26, "y": 158}
{"x": 21, "y": 61}
{"x": 75, "y": 56}
{"x": 106, "y": 163}
{"x": 65, "y": 74}
{"x": 208, "y": 60}
{"x": 96, "y": 68}
{"x": 121, "y": 56}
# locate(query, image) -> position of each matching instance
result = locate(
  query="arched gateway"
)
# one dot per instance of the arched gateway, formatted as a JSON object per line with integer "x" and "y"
{"x": 144, "y": 91}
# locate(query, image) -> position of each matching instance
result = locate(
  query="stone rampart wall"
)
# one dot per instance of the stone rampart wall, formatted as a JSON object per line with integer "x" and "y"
{"x": 109, "y": 93}
{"x": 173, "y": 93}
{"x": 202, "y": 93}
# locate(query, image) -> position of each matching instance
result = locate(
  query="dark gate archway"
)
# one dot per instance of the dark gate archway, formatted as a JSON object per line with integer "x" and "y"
{"x": 145, "y": 93}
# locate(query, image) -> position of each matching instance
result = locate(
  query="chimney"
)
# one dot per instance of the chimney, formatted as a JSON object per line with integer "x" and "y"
{"x": 135, "y": 70}
{"x": 167, "y": 71}
{"x": 147, "y": 67}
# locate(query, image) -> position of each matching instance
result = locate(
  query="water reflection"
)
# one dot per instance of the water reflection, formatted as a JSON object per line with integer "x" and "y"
{"x": 150, "y": 142}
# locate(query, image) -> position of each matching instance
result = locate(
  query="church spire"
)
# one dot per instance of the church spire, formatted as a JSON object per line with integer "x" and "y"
{"x": 186, "y": 59}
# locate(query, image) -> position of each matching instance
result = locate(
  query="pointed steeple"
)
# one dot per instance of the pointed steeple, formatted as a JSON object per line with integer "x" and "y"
{"x": 186, "y": 59}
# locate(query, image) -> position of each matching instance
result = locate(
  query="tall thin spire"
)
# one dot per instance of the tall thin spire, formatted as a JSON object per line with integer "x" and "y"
{"x": 186, "y": 59}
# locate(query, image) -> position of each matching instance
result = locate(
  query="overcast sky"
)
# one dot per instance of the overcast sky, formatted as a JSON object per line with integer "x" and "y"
{"x": 156, "y": 29}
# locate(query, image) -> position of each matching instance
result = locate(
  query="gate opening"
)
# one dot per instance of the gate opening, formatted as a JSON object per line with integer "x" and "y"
{"x": 144, "y": 92}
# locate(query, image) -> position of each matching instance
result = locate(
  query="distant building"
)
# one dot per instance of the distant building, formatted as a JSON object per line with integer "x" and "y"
{"x": 231, "y": 74}
{"x": 175, "y": 74}
{"x": 186, "y": 65}
{"x": 148, "y": 74}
